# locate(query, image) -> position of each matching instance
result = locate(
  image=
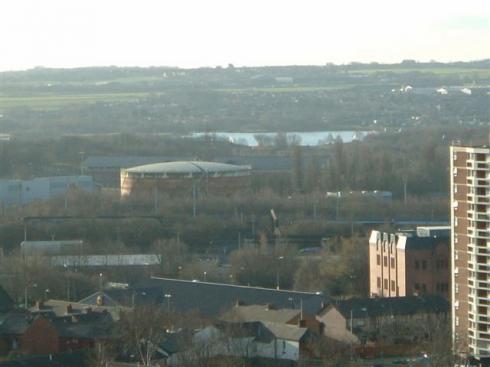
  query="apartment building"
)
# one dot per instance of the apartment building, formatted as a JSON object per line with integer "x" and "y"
{"x": 470, "y": 250}
{"x": 408, "y": 263}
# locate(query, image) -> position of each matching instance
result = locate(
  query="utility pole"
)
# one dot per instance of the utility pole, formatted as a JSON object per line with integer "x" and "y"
{"x": 194, "y": 194}
{"x": 405, "y": 190}
{"x": 155, "y": 199}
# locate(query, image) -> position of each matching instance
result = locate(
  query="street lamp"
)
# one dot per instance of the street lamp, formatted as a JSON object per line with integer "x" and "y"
{"x": 277, "y": 272}
{"x": 168, "y": 296}
{"x": 46, "y": 293}
{"x": 100, "y": 280}
{"x": 205, "y": 273}
{"x": 65, "y": 266}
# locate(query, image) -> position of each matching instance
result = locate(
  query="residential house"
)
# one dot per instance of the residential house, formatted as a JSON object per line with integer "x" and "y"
{"x": 269, "y": 313}
{"x": 359, "y": 320}
{"x": 46, "y": 335}
{"x": 248, "y": 340}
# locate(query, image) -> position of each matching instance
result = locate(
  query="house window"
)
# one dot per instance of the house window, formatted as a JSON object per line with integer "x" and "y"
{"x": 392, "y": 263}
{"x": 417, "y": 264}
{"x": 378, "y": 259}
{"x": 385, "y": 283}
{"x": 379, "y": 282}
{"x": 385, "y": 261}
{"x": 393, "y": 286}
{"x": 283, "y": 346}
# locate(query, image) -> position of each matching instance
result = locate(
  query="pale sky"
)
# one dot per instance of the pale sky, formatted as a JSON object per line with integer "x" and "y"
{"x": 193, "y": 33}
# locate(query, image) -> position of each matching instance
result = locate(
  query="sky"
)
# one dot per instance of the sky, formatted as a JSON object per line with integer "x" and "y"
{"x": 195, "y": 33}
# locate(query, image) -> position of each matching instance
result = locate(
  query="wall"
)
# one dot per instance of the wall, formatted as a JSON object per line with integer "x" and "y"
{"x": 40, "y": 338}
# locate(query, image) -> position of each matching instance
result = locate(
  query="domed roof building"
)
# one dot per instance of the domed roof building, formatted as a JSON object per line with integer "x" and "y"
{"x": 185, "y": 176}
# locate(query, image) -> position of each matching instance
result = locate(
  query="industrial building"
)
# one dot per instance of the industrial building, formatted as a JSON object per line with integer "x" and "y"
{"x": 409, "y": 263}
{"x": 470, "y": 250}
{"x": 106, "y": 170}
{"x": 20, "y": 192}
{"x": 184, "y": 177}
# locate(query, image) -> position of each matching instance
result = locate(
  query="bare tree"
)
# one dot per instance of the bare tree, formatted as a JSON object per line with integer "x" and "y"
{"x": 142, "y": 330}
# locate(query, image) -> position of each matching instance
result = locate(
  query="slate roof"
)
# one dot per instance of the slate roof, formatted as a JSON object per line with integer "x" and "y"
{"x": 396, "y": 306}
{"x": 6, "y": 303}
{"x": 209, "y": 299}
{"x": 285, "y": 331}
{"x": 14, "y": 323}
{"x": 98, "y": 326}
{"x": 260, "y": 313}
{"x": 59, "y": 308}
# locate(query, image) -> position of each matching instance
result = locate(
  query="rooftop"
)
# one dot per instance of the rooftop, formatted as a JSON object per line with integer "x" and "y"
{"x": 260, "y": 313}
{"x": 209, "y": 299}
{"x": 392, "y": 306}
{"x": 187, "y": 167}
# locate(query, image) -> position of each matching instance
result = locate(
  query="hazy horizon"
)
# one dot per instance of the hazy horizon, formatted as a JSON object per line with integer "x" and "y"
{"x": 192, "y": 34}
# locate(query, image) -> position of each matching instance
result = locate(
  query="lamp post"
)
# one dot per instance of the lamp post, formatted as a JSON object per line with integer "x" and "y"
{"x": 168, "y": 296}
{"x": 65, "y": 266}
{"x": 205, "y": 274}
{"x": 100, "y": 280}
{"x": 277, "y": 271}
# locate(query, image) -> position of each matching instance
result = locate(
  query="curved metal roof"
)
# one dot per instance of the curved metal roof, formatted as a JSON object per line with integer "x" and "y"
{"x": 187, "y": 167}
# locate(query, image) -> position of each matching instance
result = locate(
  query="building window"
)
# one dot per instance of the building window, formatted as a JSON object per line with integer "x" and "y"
{"x": 392, "y": 260}
{"x": 283, "y": 346}
{"x": 417, "y": 264}
{"x": 378, "y": 259}
{"x": 424, "y": 265}
{"x": 417, "y": 286}
{"x": 385, "y": 283}
{"x": 393, "y": 286}
{"x": 378, "y": 282}
{"x": 385, "y": 261}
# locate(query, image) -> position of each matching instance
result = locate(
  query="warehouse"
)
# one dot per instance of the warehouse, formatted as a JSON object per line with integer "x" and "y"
{"x": 185, "y": 177}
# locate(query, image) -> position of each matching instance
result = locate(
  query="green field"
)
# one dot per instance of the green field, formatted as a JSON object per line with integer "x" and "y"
{"x": 50, "y": 102}
{"x": 290, "y": 89}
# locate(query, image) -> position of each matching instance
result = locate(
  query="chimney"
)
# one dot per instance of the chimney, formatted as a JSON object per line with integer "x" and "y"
{"x": 301, "y": 323}
{"x": 39, "y": 305}
{"x": 321, "y": 328}
{"x": 69, "y": 309}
